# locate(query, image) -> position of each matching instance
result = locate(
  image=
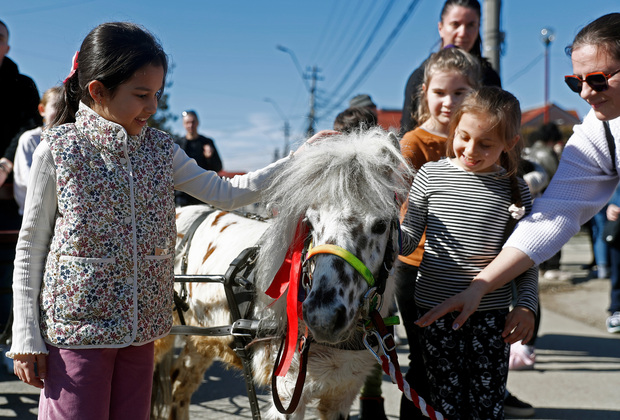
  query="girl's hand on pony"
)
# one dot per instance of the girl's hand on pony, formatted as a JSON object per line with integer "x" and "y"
{"x": 24, "y": 368}
{"x": 519, "y": 325}
{"x": 465, "y": 302}
{"x": 317, "y": 137}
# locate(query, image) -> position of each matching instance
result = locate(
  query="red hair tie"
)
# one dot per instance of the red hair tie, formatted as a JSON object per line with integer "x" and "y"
{"x": 74, "y": 67}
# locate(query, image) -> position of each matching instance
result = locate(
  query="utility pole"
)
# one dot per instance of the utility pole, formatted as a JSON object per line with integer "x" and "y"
{"x": 546, "y": 36}
{"x": 287, "y": 126}
{"x": 311, "y": 88}
{"x": 492, "y": 36}
{"x": 311, "y": 113}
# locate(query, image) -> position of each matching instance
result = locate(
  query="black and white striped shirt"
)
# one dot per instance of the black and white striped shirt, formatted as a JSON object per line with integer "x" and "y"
{"x": 465, "y": 216}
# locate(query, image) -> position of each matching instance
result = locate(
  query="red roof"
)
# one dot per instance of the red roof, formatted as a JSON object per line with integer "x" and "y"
{"x": 536, "y": 116}
{"x": 389, "y": 118}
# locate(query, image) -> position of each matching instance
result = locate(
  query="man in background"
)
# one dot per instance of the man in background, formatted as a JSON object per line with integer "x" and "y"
{"x": 201, "y": 149}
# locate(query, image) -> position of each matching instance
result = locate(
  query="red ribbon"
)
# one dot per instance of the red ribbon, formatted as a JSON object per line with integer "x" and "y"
{"x": 74, "y": 66}
{"x": 288, "y": 277}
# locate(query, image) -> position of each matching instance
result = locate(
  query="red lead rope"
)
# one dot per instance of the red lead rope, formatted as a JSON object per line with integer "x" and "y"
{"x": 288, "y": 277}
{"x": 390, "y": 365}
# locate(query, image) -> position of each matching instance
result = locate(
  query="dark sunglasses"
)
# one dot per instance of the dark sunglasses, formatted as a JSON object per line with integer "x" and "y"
{"x": 597, "y": 81}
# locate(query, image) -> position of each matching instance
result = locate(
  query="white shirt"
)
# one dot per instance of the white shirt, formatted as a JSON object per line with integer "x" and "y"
{"x": 28, "y": 142}
{"x": 582, "y": 185}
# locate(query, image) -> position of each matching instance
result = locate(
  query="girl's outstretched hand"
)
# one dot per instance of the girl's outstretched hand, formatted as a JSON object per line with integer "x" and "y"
{"x": 317, "y": 137}
{"x": 24, "y": 368}
{"x": 465, "y": 302}
{"x": 519, "y": 325}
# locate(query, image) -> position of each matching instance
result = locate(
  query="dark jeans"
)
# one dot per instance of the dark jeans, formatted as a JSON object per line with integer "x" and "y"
{"x": 614, "y": 305}
{"x": 552, "y": 263}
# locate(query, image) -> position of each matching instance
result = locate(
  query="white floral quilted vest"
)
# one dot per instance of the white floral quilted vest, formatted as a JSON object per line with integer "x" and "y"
{"x": 108, "y": 278}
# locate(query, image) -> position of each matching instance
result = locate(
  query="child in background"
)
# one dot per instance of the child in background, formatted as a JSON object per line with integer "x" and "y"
{"x": 467, "y": 203}
{"x": 449, "y": 75}
{"x": 355, "y": 118}
{"x": 93, "y": 279}
{"x": 28, "y": 142}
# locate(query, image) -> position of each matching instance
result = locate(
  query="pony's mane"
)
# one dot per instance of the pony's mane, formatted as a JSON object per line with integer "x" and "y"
{"x": 361, "y": 170}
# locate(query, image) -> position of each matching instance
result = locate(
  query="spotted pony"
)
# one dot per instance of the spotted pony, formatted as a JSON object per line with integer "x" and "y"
{"x": 347, "y": 189}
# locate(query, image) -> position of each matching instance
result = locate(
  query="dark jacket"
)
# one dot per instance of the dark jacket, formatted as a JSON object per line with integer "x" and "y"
{"x": 18, "y": 107}
{"x": 194, "y": 149}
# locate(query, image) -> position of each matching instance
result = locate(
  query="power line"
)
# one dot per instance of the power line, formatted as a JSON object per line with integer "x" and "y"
{"x": 525, "y": 69}
{"x": 341, "y": 54}
{"x": 363, "y": 50}
{"x": 378, "y": 56}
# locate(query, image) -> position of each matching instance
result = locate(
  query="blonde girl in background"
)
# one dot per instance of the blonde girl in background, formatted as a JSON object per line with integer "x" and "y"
{"x": 28, "y": 142}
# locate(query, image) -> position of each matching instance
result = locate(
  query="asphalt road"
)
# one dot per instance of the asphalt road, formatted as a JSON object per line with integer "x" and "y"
{"x": 576, "y": 375}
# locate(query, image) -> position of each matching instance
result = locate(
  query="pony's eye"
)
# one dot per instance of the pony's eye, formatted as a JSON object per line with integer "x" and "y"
{"x": 379, "y": 227}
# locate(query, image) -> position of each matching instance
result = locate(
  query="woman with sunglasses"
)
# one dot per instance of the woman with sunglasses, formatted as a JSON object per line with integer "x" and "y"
{"x": 584, "y": 182}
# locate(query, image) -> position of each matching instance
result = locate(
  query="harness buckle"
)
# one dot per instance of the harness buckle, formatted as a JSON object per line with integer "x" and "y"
{"x": 380, "y": 348}
{"x": 385, "y": 345}
{"x": 372, "y": 300}
{"x": 245, "y": 328}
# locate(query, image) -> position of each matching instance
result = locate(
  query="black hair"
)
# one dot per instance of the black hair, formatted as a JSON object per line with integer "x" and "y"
{"x": 111, "y": 53}
{"x": 191, "y": 113}
{"x": 603, "y": 32}
{"x": 474, "y": 5}
{"x": 355, "y": 118}
{"x": 5, "y": 27}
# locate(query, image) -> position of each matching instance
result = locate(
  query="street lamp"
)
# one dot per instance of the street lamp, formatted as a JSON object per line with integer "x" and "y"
{"x": 547, "y": 35}
{"x": 287, "y": 126}
{"x": 311, "y": 88}
{"x": 296, "y": 62}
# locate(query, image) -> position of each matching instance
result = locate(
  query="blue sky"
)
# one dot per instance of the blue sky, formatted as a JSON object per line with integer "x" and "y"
{"x": 226, "y": 62}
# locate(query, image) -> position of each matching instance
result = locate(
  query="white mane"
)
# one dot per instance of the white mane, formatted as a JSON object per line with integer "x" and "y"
{"x": 363, "y": 170}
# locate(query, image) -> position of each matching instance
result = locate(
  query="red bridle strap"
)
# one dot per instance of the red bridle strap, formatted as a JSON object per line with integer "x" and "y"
{"x": 288, "y": 277}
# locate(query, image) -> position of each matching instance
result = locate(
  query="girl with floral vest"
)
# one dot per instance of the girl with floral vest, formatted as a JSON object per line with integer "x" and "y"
{"x": 93, "y": 278}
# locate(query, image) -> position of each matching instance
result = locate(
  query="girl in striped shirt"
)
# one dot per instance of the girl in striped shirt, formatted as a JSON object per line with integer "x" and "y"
{"x": 468, "y": 203}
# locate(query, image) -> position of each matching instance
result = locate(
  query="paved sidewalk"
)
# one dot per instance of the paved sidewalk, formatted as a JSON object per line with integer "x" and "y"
{"x": 576, "y": 376}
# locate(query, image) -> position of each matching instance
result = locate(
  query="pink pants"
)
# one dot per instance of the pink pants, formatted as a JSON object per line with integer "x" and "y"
{"x": 98, "y": 384}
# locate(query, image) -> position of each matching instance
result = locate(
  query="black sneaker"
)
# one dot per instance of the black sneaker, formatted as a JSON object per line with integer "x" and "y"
{"x": 372, "y": 409}
{"x": 514, "y": 407}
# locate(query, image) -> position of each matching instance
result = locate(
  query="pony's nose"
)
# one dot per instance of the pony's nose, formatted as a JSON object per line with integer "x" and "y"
{"x": 325, "y": 321}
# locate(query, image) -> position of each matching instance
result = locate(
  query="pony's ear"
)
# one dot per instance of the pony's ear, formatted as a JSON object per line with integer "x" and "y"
{"x": 394, "y": 139}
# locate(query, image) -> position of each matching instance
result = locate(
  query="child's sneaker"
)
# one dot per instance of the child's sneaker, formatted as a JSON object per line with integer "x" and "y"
{"x": 522, "y": 357}
{"x": 514, "y": 407}
{"x": 613, "y": 323}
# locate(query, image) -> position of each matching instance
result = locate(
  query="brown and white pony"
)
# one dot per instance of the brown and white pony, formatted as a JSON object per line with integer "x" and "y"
{"x": 345, "y": 189}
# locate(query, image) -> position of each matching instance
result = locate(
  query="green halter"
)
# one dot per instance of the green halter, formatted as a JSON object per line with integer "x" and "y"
{"x": 348, "y": 257}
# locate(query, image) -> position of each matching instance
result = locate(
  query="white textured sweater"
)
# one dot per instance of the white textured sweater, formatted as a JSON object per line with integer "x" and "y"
{"x": 582, "y": 185}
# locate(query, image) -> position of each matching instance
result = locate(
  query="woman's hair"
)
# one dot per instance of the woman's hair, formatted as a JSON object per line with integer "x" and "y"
{"x": 503, "y": 111}
{"x": 445, "y": 60}
{"x": 474, "y": 5}
{"x": 603, "y": 32}
{"x": 50, "y": 93}
{"x": 355, "y": 118}
{"x": 111, "y": 53}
